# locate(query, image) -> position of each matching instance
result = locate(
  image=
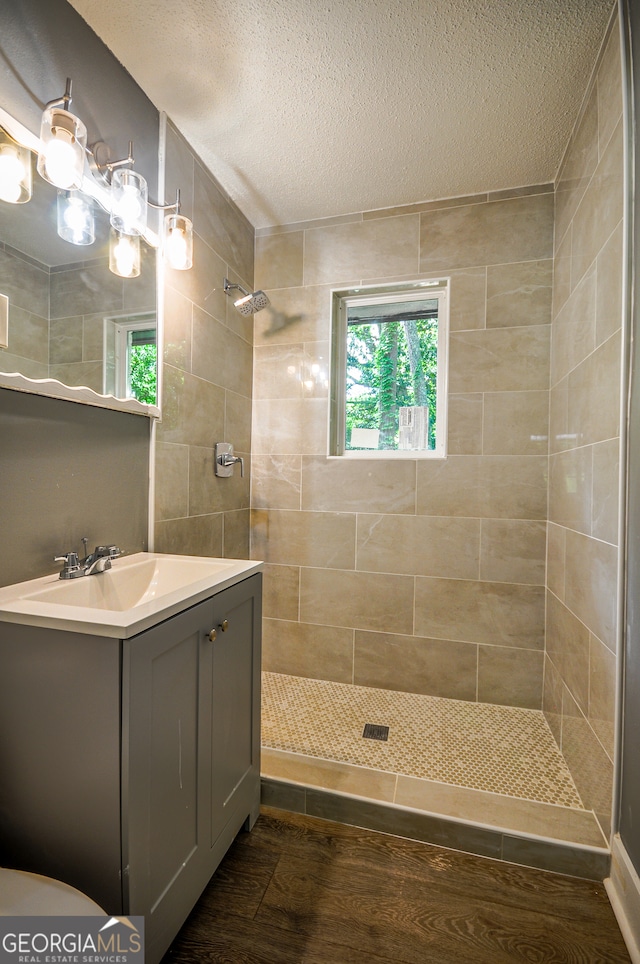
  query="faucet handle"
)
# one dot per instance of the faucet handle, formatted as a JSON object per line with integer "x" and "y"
{"x": 71, "y": 568}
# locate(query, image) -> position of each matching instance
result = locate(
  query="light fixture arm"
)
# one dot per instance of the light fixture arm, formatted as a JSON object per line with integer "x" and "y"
{"x": 167, "y": 207}
{"x": 63, "y": 101}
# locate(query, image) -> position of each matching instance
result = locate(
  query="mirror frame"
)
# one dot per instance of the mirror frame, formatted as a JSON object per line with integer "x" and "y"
{"x": 51, "y": 387}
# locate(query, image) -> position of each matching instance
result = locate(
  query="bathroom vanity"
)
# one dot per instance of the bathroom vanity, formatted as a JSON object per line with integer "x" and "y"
{"x": 130, "y": 737}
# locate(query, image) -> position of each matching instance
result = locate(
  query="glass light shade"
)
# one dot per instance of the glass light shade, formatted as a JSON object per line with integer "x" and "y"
{"x": 178, "y": 242}
{"x": 129, "y": 195}
{"x": 124, "y": 254}
{"x": 15, "y": 171}
{"x": 63, "y": 139}
{"x": 76, "y": 222}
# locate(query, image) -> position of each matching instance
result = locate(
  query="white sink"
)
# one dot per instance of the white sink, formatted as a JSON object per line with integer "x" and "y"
{"x": 125, "y": 599}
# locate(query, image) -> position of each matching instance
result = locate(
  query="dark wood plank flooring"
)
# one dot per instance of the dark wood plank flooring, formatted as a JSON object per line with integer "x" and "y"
{"x": 298, "y": 890}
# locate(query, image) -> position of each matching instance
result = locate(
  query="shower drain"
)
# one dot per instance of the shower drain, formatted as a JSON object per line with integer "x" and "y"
{"x": 374, "y": 731}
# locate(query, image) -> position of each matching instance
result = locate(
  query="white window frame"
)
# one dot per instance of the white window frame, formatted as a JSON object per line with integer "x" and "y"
{"x": 117, "y": 327}
{"x": 341, "y": 300}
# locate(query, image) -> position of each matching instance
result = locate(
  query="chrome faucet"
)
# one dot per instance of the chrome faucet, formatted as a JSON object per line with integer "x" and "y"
{"x": 97, "y": 561}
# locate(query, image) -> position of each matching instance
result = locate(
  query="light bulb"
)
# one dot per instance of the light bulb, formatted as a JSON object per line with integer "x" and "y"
{"x": 124, "y": 255}
{"x": 178, "y": 242}
{"x": 128, "y": 202}
{"x": 62, "y": 155}
{"x": 75, "y": 218}
{"x": 12, "y": 172}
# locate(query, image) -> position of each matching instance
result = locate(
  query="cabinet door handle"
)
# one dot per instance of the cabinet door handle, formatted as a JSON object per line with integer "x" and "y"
{"x": 224, "y": 625}
{"x": 212, "y": 635}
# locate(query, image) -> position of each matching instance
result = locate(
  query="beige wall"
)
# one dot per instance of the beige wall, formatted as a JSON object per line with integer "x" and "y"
{"x": 418, "y": 575}
{"x": 586, "y": 351}
{"x": 207, "y": 373}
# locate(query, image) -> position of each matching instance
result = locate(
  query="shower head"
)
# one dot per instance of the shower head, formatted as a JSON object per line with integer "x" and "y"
{"x": 250, "y": 302}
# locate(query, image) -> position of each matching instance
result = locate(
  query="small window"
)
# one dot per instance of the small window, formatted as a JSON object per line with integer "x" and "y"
{"x": 131, "y": 357}
{"x": 388, "y": 393}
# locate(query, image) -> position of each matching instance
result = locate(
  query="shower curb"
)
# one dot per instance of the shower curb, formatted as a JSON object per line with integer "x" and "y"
{"x": 590, "y": 863}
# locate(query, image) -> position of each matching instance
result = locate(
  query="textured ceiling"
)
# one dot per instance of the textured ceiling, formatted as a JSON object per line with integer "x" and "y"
{"x": 313, "y": 108}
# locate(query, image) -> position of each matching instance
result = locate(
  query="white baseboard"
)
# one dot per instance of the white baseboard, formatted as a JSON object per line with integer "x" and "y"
{"x": 623, "y": 888}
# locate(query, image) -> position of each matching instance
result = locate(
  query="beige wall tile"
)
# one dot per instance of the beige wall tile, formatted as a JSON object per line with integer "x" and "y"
{"x": 579, "y": 164}
{"x": 65, "y": 341}
{"x": 432, "y": 667}
{"x": 609, "y": 286}
{"x": 552, "y": 699}
{"x": 358, "y": 600}
{"x": 28, "y": 336}
{"x": 513, "y": 551}
{"x": 289, "y": 427}
{"x": 237, "y": 421}
{"x": 197, "y": 536}
{"x": 322, "y": 539}
{"x": 209, "y": 493}
{"x": 279, "y": 260}
{"x": 593, "y": 405}
{"x": 345, "y": 253}
{"x": 590, "y": 767}
{"x": 424, "y": 546}
{"x": 516, "y": 423}
{"x": 573, "y": 335}
{"x": 292, "y": 371}
{"x": 499, "y": 360}
{"x": 467, "y": 308}
{"x": 480, "y": 612}
{"x": 562, "y": 272}
{"x": 568, "y": 648}
{"x": 172, "y": 486}
{"x": 178, "y": 311}
{"x": 192, "y": 409}
{"x": 236, "y": 536}
{"x": 494, "y": 486}
{"x": 560, "y": 438}
{"x": 602, "y": 694}
{"x": 219, "y": 222}
{"x": 280, "y": 591}
{"x": 606, "y": 496}
{"x": 591, "y": 584}
{"x": 464, "y": 425}
{"x": 276, "y": 481}
{"x": 219, "y": 355}
{"x": 490, "y": 233}
{"x": 570, "y": 489}
{"x": 349, "y": 485}
{"x": 204, "y": 286}
{"x": 519, "y": 294}
{"x": 600, "y": 209}
{"x": 296, "y": 315}
{"x": 510, "y": 677}
{"x": 556, "y": 536}
{"x": 315, "y": 652}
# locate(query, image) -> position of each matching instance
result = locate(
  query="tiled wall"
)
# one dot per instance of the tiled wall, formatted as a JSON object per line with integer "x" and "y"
{"x": 25, "y": 283}
{"x": 586, "y": 352}
{"x": 207, "y": 373}
{"x": 419, "y": 575}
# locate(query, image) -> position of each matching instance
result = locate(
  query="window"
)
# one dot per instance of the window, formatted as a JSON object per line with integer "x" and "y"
{"x": 388, "y": 392}
{"x": 131, "y": 368}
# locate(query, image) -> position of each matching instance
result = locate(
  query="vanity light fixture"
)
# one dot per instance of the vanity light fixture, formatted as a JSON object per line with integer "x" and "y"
{"x": 76, "y": 222}
{"x": 63, "y": 139}
{"x": 15, "y": 170}
{"x": 124, "y": 254}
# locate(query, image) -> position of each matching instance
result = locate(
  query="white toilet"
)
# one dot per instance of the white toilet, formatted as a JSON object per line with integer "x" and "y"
{"x": 24, "y": 894}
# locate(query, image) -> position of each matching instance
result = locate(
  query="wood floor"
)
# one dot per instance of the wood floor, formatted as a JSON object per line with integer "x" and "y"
{"x": 298, "y": 890}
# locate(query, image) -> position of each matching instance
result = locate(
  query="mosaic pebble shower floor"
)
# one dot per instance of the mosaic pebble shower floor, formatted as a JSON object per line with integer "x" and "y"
{"x": 500, "y": 749}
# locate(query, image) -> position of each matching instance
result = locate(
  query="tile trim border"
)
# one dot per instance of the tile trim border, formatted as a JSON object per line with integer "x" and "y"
{"x": 590, "y": 863}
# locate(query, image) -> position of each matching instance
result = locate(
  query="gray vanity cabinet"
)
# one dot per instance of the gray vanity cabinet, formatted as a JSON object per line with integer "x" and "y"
{"x": 127, "y": 766}
{"x": 191, "y": 728}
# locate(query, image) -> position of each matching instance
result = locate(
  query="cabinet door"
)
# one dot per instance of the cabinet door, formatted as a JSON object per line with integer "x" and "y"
{"x": 165, "y": 829}
{"x": 234, "y": 725}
